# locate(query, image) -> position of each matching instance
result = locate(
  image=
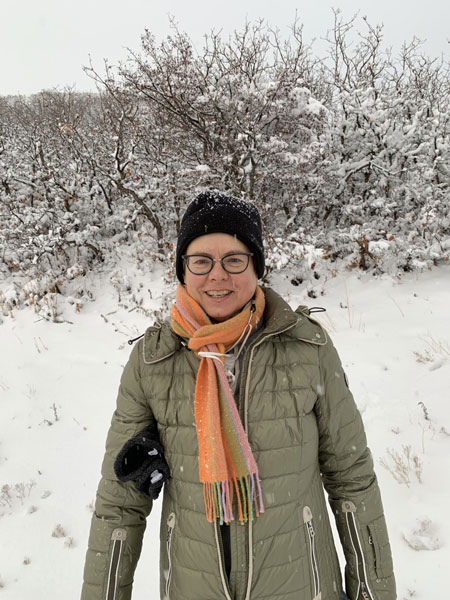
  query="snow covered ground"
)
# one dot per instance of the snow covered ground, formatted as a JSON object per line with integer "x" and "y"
{"x": 58, "y": 384}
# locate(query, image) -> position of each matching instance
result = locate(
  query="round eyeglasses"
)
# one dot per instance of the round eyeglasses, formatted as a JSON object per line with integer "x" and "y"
{"x": 202, "y": 264}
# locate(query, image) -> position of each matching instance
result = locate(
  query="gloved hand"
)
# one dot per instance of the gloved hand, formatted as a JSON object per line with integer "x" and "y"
{"x": 142, "y": 461}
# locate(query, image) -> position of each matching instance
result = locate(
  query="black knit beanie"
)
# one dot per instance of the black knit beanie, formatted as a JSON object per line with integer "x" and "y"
{"x": 214, "y": 212}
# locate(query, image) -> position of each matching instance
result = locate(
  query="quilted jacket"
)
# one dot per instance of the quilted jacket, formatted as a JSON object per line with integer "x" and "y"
{"x": 306, "y": 435}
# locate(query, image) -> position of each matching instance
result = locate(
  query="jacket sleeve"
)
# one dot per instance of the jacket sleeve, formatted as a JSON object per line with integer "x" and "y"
{"x": 348, "y": 476}
{"x": 119, "y": 520}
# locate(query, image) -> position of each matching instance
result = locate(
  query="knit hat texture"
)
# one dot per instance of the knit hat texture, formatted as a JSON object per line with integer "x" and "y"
{"x": 215, "y": 212}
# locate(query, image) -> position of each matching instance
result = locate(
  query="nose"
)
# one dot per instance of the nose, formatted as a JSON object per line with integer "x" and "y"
{"x": 218, "y": 273}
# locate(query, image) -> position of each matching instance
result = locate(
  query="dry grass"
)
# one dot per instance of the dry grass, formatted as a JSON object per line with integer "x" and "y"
{"x": 404, "y": 465}
{"x": 18, "y": 491}
{"x": 353, "y": 320}
{"x": 58, "y": 532}
{"x": 434, "y": 349}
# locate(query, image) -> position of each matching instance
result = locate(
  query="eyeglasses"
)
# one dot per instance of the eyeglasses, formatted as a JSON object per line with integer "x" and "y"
{"x": 202, "y": 264}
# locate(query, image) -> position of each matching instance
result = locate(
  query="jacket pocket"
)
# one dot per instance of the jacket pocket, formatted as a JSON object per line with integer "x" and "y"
{"x": 363, "y": 590}
{"x": 118, "y": 538}
{"x": 378, "y": 540}
{"x": 170, "y": 527}
{"x": 308, "y": 521}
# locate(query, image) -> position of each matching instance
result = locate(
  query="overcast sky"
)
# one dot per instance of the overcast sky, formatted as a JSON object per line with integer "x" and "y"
{"x": 44, "y": 43}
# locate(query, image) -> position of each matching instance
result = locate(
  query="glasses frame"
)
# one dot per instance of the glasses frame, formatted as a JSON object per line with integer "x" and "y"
{"x": 186, "y": 258}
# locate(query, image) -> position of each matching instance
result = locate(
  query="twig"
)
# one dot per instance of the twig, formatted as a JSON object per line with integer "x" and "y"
{"x": 397, "y": 305}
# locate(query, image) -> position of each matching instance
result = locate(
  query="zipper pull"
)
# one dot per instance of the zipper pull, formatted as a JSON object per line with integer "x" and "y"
{"x": 171, "y": 520}
{"x": 170, "y": 526}
{"x": 307, "y": 514}
{"x": 119, "y": 534}
{"x": 348, "y": 507}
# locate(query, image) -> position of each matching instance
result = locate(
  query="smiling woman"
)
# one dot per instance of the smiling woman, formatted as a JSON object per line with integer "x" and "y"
{"x": 248, "y": 402}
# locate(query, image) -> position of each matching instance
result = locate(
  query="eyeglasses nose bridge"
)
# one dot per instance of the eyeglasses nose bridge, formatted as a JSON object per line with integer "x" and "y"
{"x": 220, "y": 261}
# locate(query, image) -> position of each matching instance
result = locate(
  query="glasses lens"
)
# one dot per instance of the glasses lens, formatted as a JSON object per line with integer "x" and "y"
{"x": 199, "y": 265}
{"x": 235, "y": 263}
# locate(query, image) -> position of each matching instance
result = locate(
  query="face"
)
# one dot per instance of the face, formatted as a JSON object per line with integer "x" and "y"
{"x": 235, "y": 289}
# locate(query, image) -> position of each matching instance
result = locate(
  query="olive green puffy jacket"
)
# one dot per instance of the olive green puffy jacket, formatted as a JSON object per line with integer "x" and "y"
{"x": 305, "y": 433}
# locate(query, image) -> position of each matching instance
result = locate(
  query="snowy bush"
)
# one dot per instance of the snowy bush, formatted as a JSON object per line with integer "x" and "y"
{"x": 424, "y": 536}
{"x": 348, "y": 156}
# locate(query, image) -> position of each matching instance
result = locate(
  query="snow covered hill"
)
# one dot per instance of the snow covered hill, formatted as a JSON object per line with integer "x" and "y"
{"x": 58, "y": 385}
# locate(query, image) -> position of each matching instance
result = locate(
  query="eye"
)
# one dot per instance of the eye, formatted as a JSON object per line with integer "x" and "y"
{"x": 200, "y": 261}
{"x": 234, "y": 260}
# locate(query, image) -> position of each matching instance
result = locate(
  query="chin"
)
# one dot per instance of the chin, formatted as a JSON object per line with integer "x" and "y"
{"x": 220, "y": 316}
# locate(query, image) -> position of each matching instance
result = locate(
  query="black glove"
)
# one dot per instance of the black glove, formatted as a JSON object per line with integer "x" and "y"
{"x": 142, "y": 461}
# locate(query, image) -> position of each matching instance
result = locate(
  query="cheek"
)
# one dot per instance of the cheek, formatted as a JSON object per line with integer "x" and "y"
{"x": 191, "y": 284}
{"x": 247, "y": 285}
{"x": 194, "y": 285}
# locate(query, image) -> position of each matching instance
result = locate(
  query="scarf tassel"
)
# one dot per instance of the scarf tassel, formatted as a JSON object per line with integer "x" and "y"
{"x": 219, "y": 499}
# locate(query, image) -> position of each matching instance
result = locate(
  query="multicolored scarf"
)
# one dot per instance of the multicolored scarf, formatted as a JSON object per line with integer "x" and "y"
{"x": 226, "y": 462}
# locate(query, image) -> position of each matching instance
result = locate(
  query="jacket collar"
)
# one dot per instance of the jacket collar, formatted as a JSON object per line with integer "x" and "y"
{"x": 279, "y": 317}
{"x": 160, "y": 341}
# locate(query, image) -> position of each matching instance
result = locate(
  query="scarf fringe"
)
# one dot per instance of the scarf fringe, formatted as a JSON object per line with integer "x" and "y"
{"x": 219, "y": 499}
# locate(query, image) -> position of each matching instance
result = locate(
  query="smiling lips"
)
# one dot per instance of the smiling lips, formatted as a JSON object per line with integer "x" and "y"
{"x": 218, "y": 293}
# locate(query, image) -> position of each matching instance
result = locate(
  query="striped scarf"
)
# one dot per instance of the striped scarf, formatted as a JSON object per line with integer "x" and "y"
{"x": 226, "y": 462}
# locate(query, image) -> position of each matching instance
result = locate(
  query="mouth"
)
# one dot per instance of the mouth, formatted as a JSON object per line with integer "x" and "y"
{"x": 218, "y": 293}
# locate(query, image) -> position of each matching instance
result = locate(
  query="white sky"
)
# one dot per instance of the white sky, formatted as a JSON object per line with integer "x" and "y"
{"x": 44, "y": 43}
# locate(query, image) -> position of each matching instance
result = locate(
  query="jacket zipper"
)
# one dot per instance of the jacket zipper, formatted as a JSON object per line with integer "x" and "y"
{"x": 118, "y": 537}
{"x": 364, "y": 592}
{"x": 225, "y": 584}
{"x": 371, "y": 543}
{"x": 247, "y": 385}
{"x": 307, "y": 519}
{"x": 170, "y": 527}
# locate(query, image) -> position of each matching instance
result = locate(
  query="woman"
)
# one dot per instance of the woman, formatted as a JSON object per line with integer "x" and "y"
{"x": 255, "y": 417}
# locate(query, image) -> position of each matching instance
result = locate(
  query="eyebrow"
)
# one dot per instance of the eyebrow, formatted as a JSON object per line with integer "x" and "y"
{"x": 223, "y": 256}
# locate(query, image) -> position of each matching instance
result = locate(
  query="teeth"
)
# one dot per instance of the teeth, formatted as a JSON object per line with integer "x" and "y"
{"x": 217, "y": 294}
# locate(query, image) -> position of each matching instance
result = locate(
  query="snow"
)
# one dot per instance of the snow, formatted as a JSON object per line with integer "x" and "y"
{"x": 58, "y": 384}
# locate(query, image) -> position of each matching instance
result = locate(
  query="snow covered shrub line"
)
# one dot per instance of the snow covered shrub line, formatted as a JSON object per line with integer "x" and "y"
{"x": 351, "y": 161}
